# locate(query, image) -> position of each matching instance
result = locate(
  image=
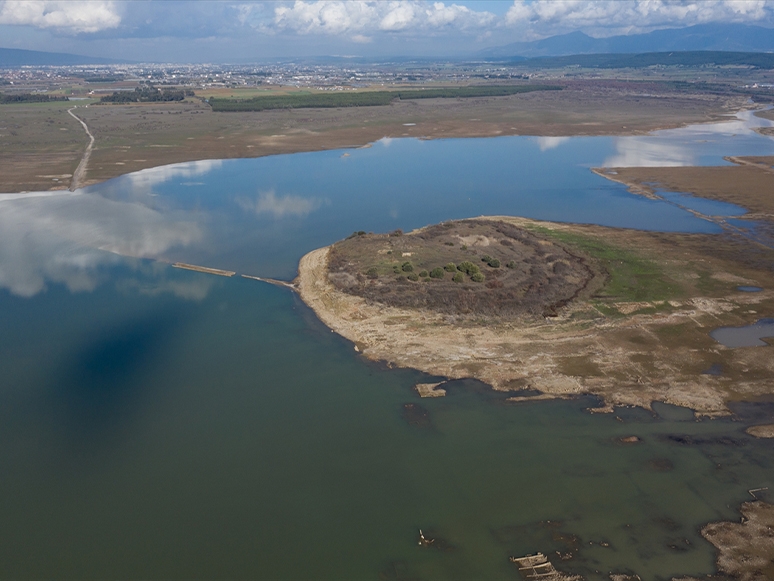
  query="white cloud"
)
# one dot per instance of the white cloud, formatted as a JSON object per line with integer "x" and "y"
{"x": 328, "y": 17}
{"x": 631, "y": 16}
{"x": 76, "y": 16}
{"x": 399, "y": 16}
{"x": 462, "y": 16}
{"x": 359, "y": 17}
{"x": 280, "y": 206}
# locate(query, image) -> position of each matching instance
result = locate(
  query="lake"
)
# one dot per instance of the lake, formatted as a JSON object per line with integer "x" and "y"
{"x": 161, "y": 423}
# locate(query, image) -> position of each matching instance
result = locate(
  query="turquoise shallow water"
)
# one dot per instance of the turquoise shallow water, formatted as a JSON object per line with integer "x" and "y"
{"x": 160, "y": 423}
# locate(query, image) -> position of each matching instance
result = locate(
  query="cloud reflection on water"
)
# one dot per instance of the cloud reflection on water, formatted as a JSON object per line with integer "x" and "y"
{"x": 67, "y": 239}
{"x": 637, "y": 152}
{"x": 145, "y": 179}
{"x": 546, "y": 143}
{"x": 678, "y": 147}
{"x": 280, "y": 206}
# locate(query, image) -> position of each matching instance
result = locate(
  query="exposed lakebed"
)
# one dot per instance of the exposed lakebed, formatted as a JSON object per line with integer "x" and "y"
{"x": 165, "y": 423}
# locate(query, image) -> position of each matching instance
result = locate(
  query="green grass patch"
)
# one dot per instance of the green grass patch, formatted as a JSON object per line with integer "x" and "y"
{"x": 631, "y": 276}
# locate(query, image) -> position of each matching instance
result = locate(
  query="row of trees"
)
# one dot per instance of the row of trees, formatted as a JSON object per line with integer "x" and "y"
{"x": 147, "y": 95}
{"x": 366, "y": 98}
{"x": 30, "y": 98}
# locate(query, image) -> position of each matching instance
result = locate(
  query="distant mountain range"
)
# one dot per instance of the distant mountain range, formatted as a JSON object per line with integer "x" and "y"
{"x": 16, "y": 57}
{"x": 684, "y": 58}
{"x": 713, "y": 37}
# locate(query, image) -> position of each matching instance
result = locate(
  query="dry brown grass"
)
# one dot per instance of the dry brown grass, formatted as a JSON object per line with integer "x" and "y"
{"x": 40, "y": 146}
{"x": 137, "y": 136}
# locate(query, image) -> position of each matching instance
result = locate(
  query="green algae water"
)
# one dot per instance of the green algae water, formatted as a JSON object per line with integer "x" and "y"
{"x": 162, "y": 423}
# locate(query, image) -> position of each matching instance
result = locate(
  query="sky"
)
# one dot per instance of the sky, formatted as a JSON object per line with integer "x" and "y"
{"x": 249, "y": 31}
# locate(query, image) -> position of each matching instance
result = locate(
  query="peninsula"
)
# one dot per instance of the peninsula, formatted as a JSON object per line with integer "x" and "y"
{"x": 553, "y": 310}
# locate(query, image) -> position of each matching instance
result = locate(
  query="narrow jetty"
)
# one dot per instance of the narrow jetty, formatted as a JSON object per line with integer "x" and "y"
{"x": 204, "y": 269}
{"x": 273, "y": 281}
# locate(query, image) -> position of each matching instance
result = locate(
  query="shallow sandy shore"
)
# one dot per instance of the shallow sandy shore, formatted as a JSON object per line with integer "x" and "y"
{"x": 632, "y": 358}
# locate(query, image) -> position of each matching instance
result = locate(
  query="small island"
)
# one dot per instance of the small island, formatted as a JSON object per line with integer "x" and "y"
{"x": 560, "y": 309}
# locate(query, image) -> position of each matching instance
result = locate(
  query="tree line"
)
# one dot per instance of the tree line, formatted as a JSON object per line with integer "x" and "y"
{"x": 147, "y": 95}
{"x": 367, "y": 98}
{"x": 29, "y": 98}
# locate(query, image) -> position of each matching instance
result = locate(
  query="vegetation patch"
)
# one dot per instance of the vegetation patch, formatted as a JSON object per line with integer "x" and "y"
{"x": 147, "y": 95}
{"x": 367, "y": 98}
{"x": 6, "y": 99}
{"x": 631, "y": 276}
{"x": 457, "y": 269}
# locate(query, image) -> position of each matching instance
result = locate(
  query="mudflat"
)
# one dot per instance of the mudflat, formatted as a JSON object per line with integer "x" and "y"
{"x": 42, "y": 145}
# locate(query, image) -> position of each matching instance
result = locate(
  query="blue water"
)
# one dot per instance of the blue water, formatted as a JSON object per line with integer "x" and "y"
{"x": 747, "y": 336}
{"x": 259, "y": 216}
{"x": 160, "y": 423}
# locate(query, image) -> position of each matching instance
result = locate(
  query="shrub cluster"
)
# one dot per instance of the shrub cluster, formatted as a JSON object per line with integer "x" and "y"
{"x": 468, "y": 268}
{"x": 493, "y": 262}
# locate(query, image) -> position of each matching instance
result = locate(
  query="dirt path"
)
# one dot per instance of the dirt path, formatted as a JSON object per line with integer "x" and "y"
{"x": 81, "y": 170}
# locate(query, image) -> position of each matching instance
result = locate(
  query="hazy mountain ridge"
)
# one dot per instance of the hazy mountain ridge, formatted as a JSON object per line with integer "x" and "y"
{"x": 713, "y": 37}
{"x": 16, "y": 57}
